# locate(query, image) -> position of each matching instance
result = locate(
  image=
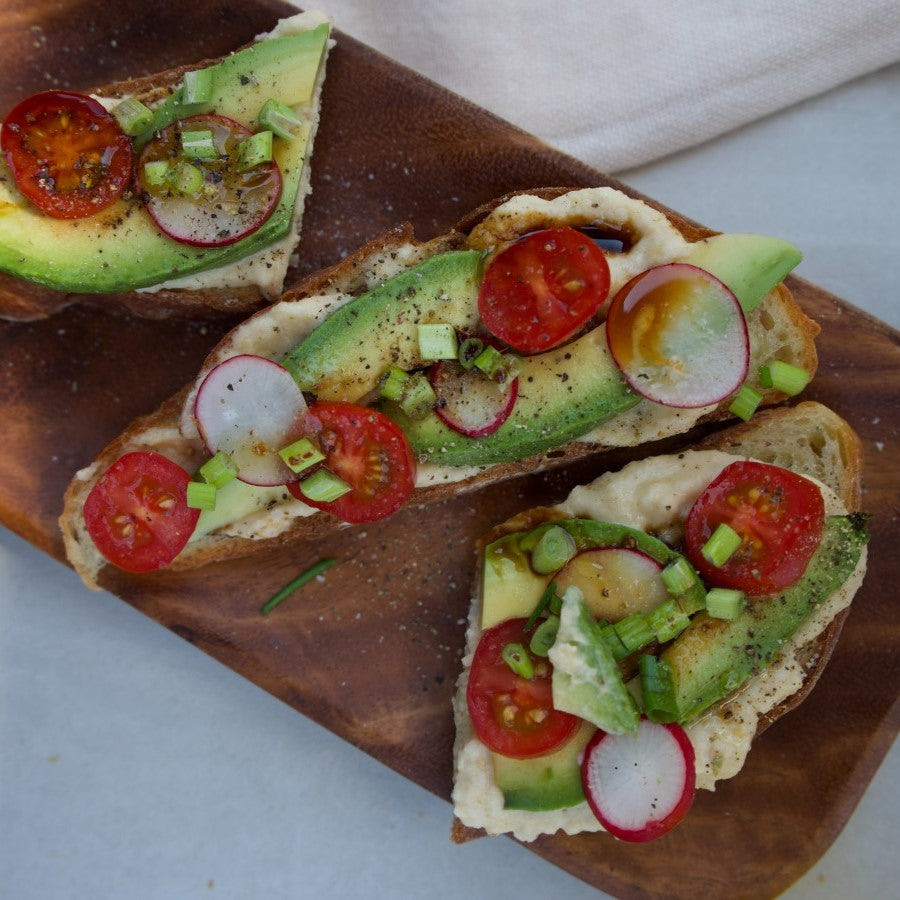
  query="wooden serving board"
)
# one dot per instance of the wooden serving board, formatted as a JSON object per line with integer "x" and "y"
{"x": 394, "y": 146}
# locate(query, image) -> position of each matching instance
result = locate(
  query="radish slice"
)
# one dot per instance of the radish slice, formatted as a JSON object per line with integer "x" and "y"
{"x": 679, "y": 336}
{"x": 468, "y": 401}
{"x": 250, "y": 408}
{"x": 639, "y": 785}
{"x": 227, "y": 204}
{"x": 615, "y": 581}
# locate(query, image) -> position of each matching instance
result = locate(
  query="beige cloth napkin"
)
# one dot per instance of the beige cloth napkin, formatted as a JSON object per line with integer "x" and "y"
{"x": 617, "y": 83}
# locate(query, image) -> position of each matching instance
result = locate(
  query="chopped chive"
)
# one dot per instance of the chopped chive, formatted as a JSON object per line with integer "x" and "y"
{"x": 437, "y": 341}
{"x": 304, "y": 577}
{"x": 256, "y": 150}
{"x": 634, "y": 631}
{"x": 187, "y": 179}
{"x": 517, "y": 658}
{"x": 418, "y": 397}
{"x": 393, "y": 383}
{"x": 745, "y": 403}
{"x": 544, "y": 636}
{"x": 784, "y": 377}
{"x": 724, "y": 603}
{"x": 469, "y": 350}
{"x": 542, "y": 604}
{"x": 201, "y": 495}
{"x": 157, "y": 172}
{"x": 554, "y": 549}
{"x": 657, "y": 689}
{"x": 218, "y": 470}
{"x": 323, "y": 487}
{"x": 668, "y": 620}
{"x": 300, "y": 455}
{"x": 198, "y": 144}
{"x": 133, "y": 117}
{"x": 721, "y": 545}
{"x": 279, "y": 118}
{"x": 678, "y": 576}
{"x": 197, "y": 87}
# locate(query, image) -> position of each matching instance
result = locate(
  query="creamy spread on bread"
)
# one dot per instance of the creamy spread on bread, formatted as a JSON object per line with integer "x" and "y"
{"x": 652, "y": 495}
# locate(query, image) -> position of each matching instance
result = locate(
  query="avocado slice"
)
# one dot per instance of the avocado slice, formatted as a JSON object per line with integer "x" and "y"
{"x": 713, "y": 657}
{"x": 344, "y": 357}
{"x": 120, "y": 248}
{"x": 544, "y": 782}
{"x": 749, "y": 264}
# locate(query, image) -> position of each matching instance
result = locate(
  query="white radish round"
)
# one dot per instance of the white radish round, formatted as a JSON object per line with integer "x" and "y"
{"x": 679, "y": 336}
{"x": 639, "y": 785}
{"x": 250, "y": 408}
{"x": 468, "y": 401}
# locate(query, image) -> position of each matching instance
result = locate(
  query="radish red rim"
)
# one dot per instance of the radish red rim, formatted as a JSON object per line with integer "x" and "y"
{"x": 225, "y": 203}
{"x": 470, "y": 402}
{"x": 679, "y": 336}
{"x": 250, "y": 408}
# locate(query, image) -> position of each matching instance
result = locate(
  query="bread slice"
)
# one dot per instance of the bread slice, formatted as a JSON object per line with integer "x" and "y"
{"x": 778, "y": 328}
{"x": 232, "y": 290}
{"x": 809, "y": 439}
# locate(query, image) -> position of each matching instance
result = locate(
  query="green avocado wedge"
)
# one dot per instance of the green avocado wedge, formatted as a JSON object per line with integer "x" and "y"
{"x": 121, "y": 249}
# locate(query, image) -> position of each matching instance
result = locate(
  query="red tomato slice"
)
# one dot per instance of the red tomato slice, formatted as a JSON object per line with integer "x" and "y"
{"x": 779, "y": 516}
{"x": 511, "y": 714}
{"x": 137, "y": 513}
{"x": 369, "y": 452}
{"x": 69, "y": 156}
{"x": 542, "y": 289}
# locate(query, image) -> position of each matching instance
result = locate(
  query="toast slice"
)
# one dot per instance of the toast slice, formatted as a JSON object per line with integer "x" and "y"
{"x": 778, "y": 329}
{"x": 808, "y": 439}
{"x": 241, "y": 285}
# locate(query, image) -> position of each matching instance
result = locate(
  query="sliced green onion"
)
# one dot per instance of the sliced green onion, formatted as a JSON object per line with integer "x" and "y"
{"x": 133, "y": 117}
{"x": 745, "y": 403}
{"x": 393, "y": 383}
{"x": 544, "y": 636}
{"x": 201, "y": 495}
{"x": 300, "y": 455}
{"x": 299, "y": 581}
{"x": 197, "y": 87}
{"x": 469, "y": 350}
{"x": 542, "y": 604}
{"x": 784, "y": 377}
{"x": 724, "y": 603}
{"x": 668, "y": 620}
{"x": 721, "y": 545}
{"x": 218, "y": 470}
{"x": 634, "y": 631}
{"x": 198, "y": 144}
{"x": 256, "y": 150}
{"x": 657, "y": 689}
{"x": 279, "y": 118}
{"x": 517, "y": 658}
{"x": 678, "y": 576}
{"x": 611, "y": 638}
{"x": 488, "y": 360}
{"x": 418, "y": 398}
{"x": 323, "y": 486}
{"x": 157, "y": 172}
{"x": 187, "y": 179}
{"x": 554, "y": 549}
{"x": 438, "y": 341}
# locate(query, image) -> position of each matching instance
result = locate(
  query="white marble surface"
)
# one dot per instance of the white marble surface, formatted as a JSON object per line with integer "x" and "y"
{"x": 132, "y": 765}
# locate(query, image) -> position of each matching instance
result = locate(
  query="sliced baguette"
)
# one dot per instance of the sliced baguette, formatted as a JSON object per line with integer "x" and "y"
{"x": 23, "y": 301}
{"x": 778, "y": 327}
{"x": 809, "y": 439}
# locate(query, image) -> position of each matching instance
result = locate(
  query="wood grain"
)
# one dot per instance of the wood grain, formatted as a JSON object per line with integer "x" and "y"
{"x": 391, "y": 610}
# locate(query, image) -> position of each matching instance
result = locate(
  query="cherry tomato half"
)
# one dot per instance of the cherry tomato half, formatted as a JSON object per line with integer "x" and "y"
{"x": 137, "y": 513}
{"x": 542, "y": 289}
{"x": 369, "y": 452}
{"x": 779, "y": 516}
{"x": 69, "y": 156}
{"x": 514, "y": 715}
